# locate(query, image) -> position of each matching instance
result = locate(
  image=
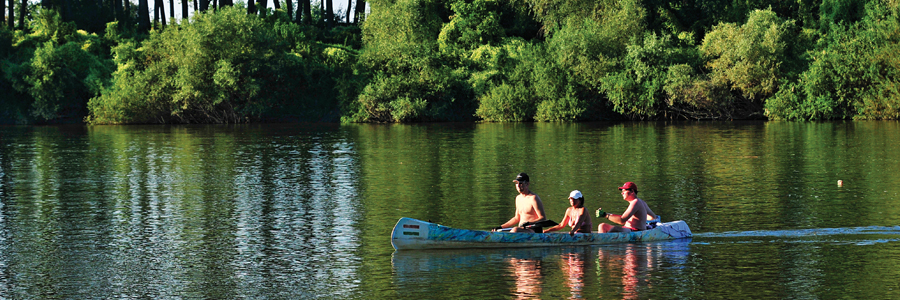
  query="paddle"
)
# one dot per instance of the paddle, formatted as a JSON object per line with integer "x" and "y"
{"x": 542, "y": 224}
{"x": 530, "y": 225}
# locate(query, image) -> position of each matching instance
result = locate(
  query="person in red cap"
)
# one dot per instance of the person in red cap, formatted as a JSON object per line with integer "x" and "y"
{"x": 529, "y": 208}
{"x": 634, "y": 218}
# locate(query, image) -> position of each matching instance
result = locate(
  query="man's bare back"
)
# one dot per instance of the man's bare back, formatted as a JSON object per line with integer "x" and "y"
{"x": 638, "y": 211}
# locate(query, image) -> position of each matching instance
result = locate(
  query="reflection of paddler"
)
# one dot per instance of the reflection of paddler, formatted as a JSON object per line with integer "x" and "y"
{"x": 636, "y": 260}
{"x": 573, "y": 266}
{"x": 528, "y": 277}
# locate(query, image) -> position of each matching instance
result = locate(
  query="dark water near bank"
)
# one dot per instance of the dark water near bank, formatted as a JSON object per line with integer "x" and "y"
{"x": 305, "y": 211}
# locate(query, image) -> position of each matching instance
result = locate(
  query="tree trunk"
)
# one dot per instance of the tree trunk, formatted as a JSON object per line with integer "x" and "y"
{"x": 226, "y": 3}
{"x": 261, "y": 7}
{"x": 2, "y": 11}
{"x": 204, "y": 5}
{"x": 196, "y": 8}
{"x": 289, "y": 8}
{"x": 127, "y": 9}
{"x": 143, "y": 16}
{"x": 307, "y": 12}
{"x": 161, "y": 7}
{"x": 66, "y": 12}
{"x": 117, "y": 10}
{"x": 329, "y": 13}
{"x": 12, "y": 15}
{"x": 277, "y": 5}
{"x": 102, "y": 12}
{"x": 184, "y": 10}
{"x": 172, "y": 10}
{"x": 22, "y": 9}
{"x": 251, "y": 7}
{"x": 360, "y": 13}
{"x": 349, "y": 5}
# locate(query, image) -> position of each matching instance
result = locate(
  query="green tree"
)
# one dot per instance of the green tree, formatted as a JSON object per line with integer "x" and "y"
{"x": 638, "y": 86}
{"x": 748, "y": 60}
{"x": 853, "y": 73}
{"x": 222, "y": 67}
{"x": 61, "y": 68}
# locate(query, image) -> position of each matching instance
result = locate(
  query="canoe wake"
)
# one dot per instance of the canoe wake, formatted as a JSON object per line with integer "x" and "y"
{"x": 805, "y": 233}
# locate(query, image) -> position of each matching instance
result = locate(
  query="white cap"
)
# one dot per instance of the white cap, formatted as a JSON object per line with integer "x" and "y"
{"x": 575, "y": 194}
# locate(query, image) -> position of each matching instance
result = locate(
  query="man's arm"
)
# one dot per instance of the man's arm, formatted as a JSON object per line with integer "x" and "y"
{"x": 630, "y": 211}
{"x": 620, "y": 219}
{"x": 539, "y": 208}
{"x": 561, "y": 225}
{"x": 615, "y": 219}
{"x": 512, "y": 222}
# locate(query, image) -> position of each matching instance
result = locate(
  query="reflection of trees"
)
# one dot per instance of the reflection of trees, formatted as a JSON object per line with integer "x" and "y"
{"x": 194, "y": 211}
{"x": 4, "y": 218}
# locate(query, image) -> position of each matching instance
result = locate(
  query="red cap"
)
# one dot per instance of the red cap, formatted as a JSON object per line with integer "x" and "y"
{"x": 629, "y": 186}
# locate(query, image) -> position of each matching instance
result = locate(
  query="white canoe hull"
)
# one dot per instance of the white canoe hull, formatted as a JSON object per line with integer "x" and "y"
{"x": 412, "y": 234}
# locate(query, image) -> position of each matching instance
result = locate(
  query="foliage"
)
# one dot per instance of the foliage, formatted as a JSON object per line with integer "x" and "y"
{"x": 56, "y": 69}
{"x": 222, "y": 67}
{"x": 638, "y": 88}
{"x": 460, "y": 60}
{"x": 747, "y": 60}
{"x": 412, "y": 79}
{"x": 853, "y": 73}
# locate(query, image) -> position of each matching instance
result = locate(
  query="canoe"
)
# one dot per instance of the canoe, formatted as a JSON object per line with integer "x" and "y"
{"x": 412, "y": 234}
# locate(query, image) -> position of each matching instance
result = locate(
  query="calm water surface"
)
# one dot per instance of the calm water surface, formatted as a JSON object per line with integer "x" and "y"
{"x": 305, "y": 211}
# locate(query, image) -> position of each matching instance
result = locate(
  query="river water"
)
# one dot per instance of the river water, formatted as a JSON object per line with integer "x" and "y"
{"x": 299, "y": 211}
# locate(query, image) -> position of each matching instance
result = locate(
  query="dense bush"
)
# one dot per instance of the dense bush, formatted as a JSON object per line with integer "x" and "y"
{"x": 222, "y": 67}
{"x": 638, "y": 87}
{"x": 54, "y": 70}
{"x": 464, "y": 60}
{"x": 854, "y": 72}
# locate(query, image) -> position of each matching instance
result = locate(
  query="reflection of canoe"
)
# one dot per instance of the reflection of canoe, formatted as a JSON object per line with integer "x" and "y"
{"x": 415, "y": 234}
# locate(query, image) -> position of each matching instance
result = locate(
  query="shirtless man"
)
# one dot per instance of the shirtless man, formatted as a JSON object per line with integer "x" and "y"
{"x": 634, "y": 218}
{"x": 576, "y": 217}
{"x": 529, "y": 207}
